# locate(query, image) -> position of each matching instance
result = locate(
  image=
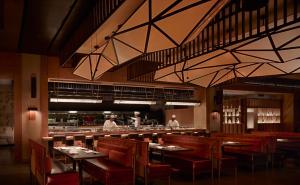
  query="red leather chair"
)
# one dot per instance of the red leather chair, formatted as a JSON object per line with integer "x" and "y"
{"x": 148, "y": 170}
{"x": 41, "y": 168}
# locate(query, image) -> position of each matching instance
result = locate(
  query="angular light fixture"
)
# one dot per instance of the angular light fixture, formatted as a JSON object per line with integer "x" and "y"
{"x": 72, "y": 100}
{"x": 183, "y": 103}
{"x": 135, "y": 102}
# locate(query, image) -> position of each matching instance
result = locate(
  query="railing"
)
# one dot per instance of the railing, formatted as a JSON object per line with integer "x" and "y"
{"x": 233, "y": 24}
{"x": 119, "y": 91}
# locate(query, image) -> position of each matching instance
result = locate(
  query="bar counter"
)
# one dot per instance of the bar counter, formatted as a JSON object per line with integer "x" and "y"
{"x": 122, "y": 133}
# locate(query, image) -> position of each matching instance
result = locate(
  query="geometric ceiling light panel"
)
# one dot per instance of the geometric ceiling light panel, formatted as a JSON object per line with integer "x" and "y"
{"x": 243, "y": 58}
{"x": 260, "y": 44}
{"x": 173, "y": 77}
{"x": 281, "y": 38}
{"x": 103, "y": 66}
{"x": 110, "y": 53}
{"x": 220, "y": 60}
{"x": 139, "y": 16}
{"x": 192, "y": 74}
{"x": 83, "y": 69}
{"x": 163, "y": 72}
{"x": 266, "y": 70}
{"x": 158, "y": 6}
{"x": 200, "y": 61}
{"x": 135, "y": 38}
{"x": 220, "y": 75}
{"x": 203, "y": 81}
{"x": 97, "y": 62}
{"x": 246, "y": 70}
{"x": 228, "y": 76}
{"x": 290, "y": 54}
{"x": 288, "y": 67}
{"x": 266, "y": 55}
{"x": 294, "y": 43}
{"x": 125, "y": 52}
{"x": 158, "y": 41}
{"x": 161, "y": 29}
{"x": 185, "y": 21}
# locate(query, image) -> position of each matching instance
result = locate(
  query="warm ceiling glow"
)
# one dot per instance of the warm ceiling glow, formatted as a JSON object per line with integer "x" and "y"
{"x": 134, "y": 102}
{"x": 182, "y": 103}
{"x": 70, "y": 100}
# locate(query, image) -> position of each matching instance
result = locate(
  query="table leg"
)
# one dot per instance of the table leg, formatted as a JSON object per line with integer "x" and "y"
{"x": 80, "y": 172}
{"x": 162, "y": 155}
{"x": 74, "y": 165}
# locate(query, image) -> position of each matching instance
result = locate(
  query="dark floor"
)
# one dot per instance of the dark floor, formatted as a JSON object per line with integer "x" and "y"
{"x": 12, "y": 173}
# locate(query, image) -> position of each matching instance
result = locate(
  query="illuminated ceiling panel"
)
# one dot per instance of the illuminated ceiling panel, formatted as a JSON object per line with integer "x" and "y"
{"x": 204, "y": 81}
{"x": 265, "y": 70}
{"x": 83, "y": 68}
{"x": 170, "y": 78}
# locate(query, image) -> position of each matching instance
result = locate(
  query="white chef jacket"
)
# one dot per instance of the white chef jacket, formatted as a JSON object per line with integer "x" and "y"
{"x": 137, "y": 121}
{"x": 109, "y": 125}
{"x": 173, "y": 124}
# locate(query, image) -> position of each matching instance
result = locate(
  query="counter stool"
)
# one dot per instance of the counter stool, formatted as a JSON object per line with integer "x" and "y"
{"x": 79, "y": 140}
{"x": 59, "y": 140}
{"x": 95, "y": 140}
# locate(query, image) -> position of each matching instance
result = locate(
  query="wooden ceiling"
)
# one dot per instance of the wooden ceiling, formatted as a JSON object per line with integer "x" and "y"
{"x": 40, "y": 27}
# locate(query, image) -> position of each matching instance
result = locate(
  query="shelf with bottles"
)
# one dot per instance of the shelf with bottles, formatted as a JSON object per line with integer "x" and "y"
{"x": 268, "y": 115}
{"x": 231, "y": 114}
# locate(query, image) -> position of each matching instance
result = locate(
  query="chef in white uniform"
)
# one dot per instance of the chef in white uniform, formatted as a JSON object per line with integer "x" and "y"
{"x": 109, "y": 124}
{"x": 173, "y": 123}
{"x": 137, "y": 119}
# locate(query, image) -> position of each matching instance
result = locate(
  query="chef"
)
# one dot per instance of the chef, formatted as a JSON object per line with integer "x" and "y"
{"x": 173, "y": 123}
{"x": 109, "y": 124}
{"x": 137, "y": 119}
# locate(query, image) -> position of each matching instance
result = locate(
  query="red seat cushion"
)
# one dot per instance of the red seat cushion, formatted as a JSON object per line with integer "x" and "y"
{"x": 63, "y": 179}
{"x": 107, "y": 171}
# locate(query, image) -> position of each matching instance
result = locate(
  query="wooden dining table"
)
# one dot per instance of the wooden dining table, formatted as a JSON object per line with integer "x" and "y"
{"x": 162, "y": 149}
{"x": 77, "y": 154}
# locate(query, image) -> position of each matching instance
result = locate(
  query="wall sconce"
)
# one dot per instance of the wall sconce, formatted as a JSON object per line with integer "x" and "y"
{"x": 32, "y": 113}
{"x": 215, "y": 114}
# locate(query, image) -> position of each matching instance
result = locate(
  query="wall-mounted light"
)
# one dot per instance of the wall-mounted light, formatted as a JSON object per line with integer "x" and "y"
{"x": 135, "y": 102}
{"x": 32, "y": 113}
{"x": 183, "y": 103}
{"x": 73, "y": 100}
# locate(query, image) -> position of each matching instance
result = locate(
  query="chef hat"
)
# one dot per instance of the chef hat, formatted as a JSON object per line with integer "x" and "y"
{"x": 173, "y": 116}
{"x": 136, "y": 113}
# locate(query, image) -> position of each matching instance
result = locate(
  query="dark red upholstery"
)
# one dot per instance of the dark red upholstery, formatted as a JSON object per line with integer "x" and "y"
{"x": 108, "y": 171}
{"x": 41, "y": 168}
{"x": 256, "y": 151}
{"x": 198, "y": 160}
{"x": 147, "y": 169}
{"x": 63, "y": 179}
{"x": 118, "y": 167}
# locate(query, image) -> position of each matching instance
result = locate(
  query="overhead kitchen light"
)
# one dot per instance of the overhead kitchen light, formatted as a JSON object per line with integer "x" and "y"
{"x": 72, "y": 111}
{"x": 183, "y": 103}
{"x": 134, "y": 102}
{"x": 72, "y": 100}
